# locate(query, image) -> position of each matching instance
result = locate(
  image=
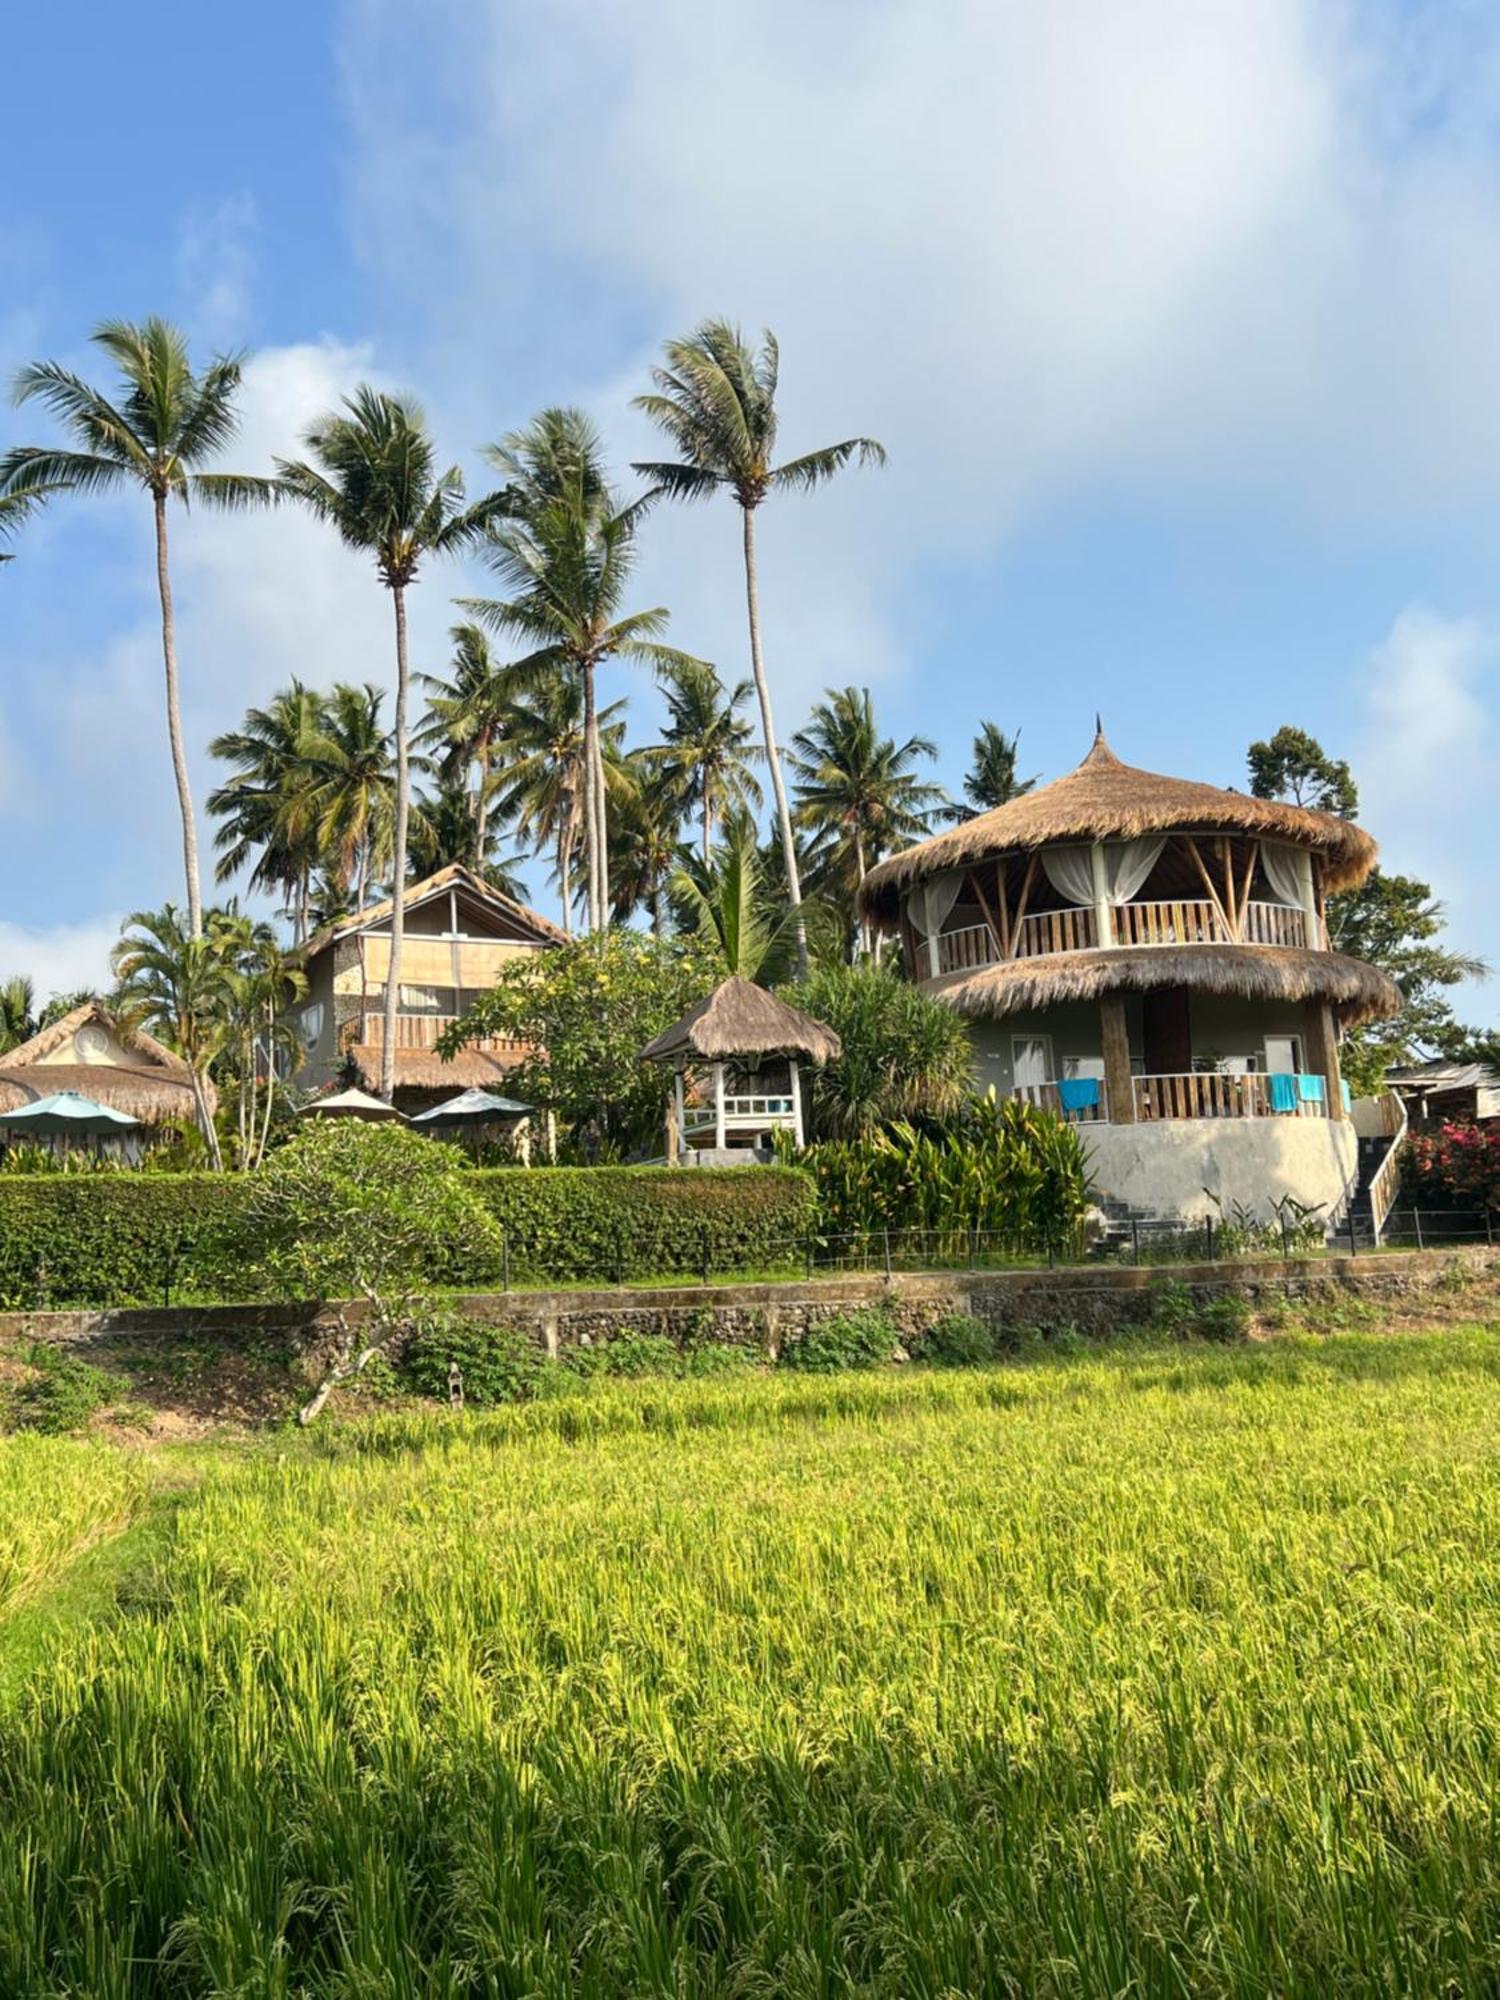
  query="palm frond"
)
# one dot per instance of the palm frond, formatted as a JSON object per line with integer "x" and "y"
{"x": 815, "y": 467}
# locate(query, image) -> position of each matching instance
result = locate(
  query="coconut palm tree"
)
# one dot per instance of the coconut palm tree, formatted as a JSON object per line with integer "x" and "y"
{"x": 726, "y": 903}
{"x": 565, "y": 558}
{"x": 857, "y": 795}
{"x": 14, "y": 508}
{"x": 645, "y": 831}
{"x": 444, "y": 830}
{"x": 466, "y": 718}
{"x": 18, "y": 1022}
{"x": 991, "y": 778}
{"x": 352, "y": 791}
{"x": 373, "y": 475}
{"x": 706, "y": 750}
{"x": 716, "y": 401}
{"x": 542, "y": 783}
{"x": 164, "y": 424}
{"x": 265, "y": 807}
{"x": 176, "y": 984}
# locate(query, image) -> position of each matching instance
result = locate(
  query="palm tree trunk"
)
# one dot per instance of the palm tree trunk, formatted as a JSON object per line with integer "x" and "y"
{"x": 565, "y": 840}
{"x": 482, "y": 805}
{"x": 708, "y": 827}
{"x": 768, "y": 730}
{"x": 398, "y": 885}
{"x": 602, "y": 794}
{"x": 174, "y": 723}
{"x": 591, "y": 799}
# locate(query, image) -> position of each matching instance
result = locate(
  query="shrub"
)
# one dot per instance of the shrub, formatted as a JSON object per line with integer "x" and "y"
{"x": 64, "y": 1393}
{"x": 1224, "y": 1318}
{"x": 904, "y": 1054}
{"x": 861, "y": 1339}
{"x": 131, "y": 1239}
{"x": 1175, "y": 1313}
{"x": 497, "y": 1364}
{"x": 1455, "y": 1167}
{"x": 957, "y": 1340}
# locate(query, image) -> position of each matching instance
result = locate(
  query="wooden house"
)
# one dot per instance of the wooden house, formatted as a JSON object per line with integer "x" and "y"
{"x": 91, "y": 1052}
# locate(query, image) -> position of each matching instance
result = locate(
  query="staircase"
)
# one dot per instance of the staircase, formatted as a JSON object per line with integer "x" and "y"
{"x": 1378, "y": 1173}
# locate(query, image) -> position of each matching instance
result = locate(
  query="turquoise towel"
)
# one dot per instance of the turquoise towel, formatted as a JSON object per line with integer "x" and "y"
{"x": 1078, "y": 1093}
{"x": 1347, "y": 1094}
{"x": 1311, "y": 1088}
{"x": 1284, "y": 1096}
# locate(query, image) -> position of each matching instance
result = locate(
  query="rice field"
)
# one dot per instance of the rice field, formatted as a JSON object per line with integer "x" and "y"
{"x": 1160, "y": 1671}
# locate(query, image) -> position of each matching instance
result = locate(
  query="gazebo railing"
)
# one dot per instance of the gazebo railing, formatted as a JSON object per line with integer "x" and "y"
{"x": 741, "y": 1111}
{"x": 1134, "y": 926}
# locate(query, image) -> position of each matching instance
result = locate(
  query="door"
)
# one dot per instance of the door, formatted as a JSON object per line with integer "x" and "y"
{"x": 1284, "y": 1054}
{"x": 1030, "y": 1062}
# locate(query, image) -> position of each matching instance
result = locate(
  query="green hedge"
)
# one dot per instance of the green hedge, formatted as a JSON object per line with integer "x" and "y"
{"x": 103, "y": 1239}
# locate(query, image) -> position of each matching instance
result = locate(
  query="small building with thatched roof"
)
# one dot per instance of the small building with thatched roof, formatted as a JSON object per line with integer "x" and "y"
{"x": 89, "y": 1051}
{"x": 459, "y": 934}
{"x": 1149, "y": 956}
{"x": 737, "y": 1079}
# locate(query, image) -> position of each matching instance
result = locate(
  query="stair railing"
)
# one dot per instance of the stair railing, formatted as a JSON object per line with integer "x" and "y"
{"x": 1386, "y": 1179}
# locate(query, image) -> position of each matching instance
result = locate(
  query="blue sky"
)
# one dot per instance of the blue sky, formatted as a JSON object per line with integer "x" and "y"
{"x": 1178, "y": 321}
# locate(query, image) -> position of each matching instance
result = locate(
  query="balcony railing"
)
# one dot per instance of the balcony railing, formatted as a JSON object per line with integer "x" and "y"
{"x": 740, "y": 1113}
{"x": 1136, "y": 926}
{"x": 423, "y": 1031}
{"x": 1215, "y": 1094}
{"x": 1058, "y": 1097}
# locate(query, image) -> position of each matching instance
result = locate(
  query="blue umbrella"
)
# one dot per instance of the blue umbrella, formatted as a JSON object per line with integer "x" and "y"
{"x": 68, "y": 1111}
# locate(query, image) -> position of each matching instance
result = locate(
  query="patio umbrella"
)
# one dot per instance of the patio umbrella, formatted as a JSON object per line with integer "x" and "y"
{"x": 350, "y": 1104}
{"x": 471, "y": 1107}
{"x": 69, "y": 1112}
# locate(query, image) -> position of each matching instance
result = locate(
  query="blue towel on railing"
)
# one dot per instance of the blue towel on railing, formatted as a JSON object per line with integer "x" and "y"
{"x": 1348, "y": 1096}
{"x": 1311, "y": 1088}
{"x": 1284, "y": 1094}
{"x": 1078, "y": 1093}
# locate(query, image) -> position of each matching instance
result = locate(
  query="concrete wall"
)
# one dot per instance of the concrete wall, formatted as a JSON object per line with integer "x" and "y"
{"x": 1164, "y": 1168}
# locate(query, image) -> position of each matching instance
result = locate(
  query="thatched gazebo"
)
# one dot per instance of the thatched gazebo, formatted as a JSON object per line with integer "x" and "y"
{"x": 751, "y": 1045}
{"x": 1134, "y": 949}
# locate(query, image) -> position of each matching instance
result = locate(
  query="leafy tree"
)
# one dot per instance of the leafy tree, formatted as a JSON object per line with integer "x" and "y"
{"x": 857, "y": 794}
{"x": 176, "y": 984}
{"x": 345, "y": 1216}
{"x": 726, "y": 904}
{"x": 1392, "y": 921}
{"x": 260, "y": 1033}
{"x": 586, "y": 1011}
{"x": 18, "y": 1022}
{"x": 707, "y": 752}
{"x": 564, "y": 559}
{"x": 373, "y": 475}
{"x": 163, "y": 426}
{"x": 716, "y": 401}
{"x": 64, "y": 1003}
{"x": 991, "y": 779}
{"x": 265, "y": 807}
{"x": 905, "y": 1055}
{"x": 1294, "y": 766}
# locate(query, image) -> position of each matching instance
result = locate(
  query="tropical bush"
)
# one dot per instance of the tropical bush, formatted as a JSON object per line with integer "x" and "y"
{"x": 1455, "y": 1167}
{"x": 905, "y": 1055}
{"x": 496, "y": 1364}
{"x": 863, "y": 1338}
{"x": 1011, "y": 1175}
{"x": 957, "y": 1340}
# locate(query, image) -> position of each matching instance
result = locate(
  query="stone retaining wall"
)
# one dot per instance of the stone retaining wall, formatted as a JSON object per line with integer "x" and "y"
{"x": 1095, "y": 1299}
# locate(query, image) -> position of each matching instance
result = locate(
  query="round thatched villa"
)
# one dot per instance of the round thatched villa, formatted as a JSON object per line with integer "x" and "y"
{"x": 1149, "y": 956}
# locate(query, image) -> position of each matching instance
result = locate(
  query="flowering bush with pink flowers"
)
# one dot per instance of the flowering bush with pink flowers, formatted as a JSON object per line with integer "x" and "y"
{"x": 1456, "y": 1167}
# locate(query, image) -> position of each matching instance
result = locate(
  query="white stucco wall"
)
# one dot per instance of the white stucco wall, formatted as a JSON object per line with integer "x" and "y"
{"x": 1163, "y": 1168}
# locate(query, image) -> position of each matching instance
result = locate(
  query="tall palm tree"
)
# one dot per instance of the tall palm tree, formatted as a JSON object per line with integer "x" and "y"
{"x": 373, "y": 475}
{"x": 543, "y": 780}
{"x": 352, "y": 790}
{"x": 707, "y": 751}
{"x": 716, "y": 401}
{"x": 857, "y": 794}
{"x": 444, "y": 830}
{"x": 725, "y": 901}
{"x": 260, "y": 988}
{"x": 175, "y": 983}
{"x": 565, "y": 558}
{"x": 645, "y": 831}
{"x": 164, "y": 425}
{"x": 18, "y": 1022}
{"x": 466, "y": 718}
{"x": 991, "y": 778}
{"x": 266, "y": 807}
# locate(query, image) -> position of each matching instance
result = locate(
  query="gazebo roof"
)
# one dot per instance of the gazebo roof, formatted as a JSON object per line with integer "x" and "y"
{"x": 1104, "y": 799}
{"x": 740, "y": 1021}
{"x": 151, "y": 1083}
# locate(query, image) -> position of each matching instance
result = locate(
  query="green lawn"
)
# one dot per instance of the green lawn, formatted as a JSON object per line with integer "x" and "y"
{"x": 1160, "y": 1670}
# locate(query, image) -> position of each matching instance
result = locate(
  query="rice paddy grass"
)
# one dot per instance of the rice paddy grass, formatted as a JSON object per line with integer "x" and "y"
{"x": 1162, "y": 1670}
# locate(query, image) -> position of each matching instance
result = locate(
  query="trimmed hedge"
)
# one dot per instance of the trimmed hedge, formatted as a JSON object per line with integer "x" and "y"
{"x": 117, "y": 1240}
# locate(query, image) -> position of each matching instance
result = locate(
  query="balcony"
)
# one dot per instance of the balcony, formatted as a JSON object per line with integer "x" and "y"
{"x": 423, "y": 1031}
{"x": 1137, "y": 926}
{"x": 1190, "y": 1094}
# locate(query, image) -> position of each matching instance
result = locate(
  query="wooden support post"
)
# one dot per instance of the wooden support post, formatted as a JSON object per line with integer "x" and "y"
{"x": 676, "y": 1121}
{"x": 1021, "y": 901}
{"x": 1244, "y": 903}
{"x": 978, "y": 887}
{"x": 1322, "y": 1051}
{"x": 1002, "y": 904}
{"x": 797, "y": 1105}
{"x": 720, "y": 1137}
{"x": 1119, "y": 1085}
{"x": 1226, "y": 916}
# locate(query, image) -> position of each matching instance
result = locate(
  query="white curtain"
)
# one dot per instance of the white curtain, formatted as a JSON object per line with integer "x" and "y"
{"x": 929, "y": 908}
{"x": 1071, "y": 873}
{"x": 1127, "y": 863}
{"x": 1283, "y": 866}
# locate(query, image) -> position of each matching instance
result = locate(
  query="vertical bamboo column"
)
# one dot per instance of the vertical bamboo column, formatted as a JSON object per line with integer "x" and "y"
{"x": 1323, "y": 1054}
{"x": 676, "y": 1121}
{"x": 720, "y": 1138}
{"x": 1119, "y": 1085}
{"x": 797, "y": 1104}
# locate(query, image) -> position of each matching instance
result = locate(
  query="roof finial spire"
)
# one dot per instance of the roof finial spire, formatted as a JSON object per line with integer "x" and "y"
{"x": 1098, "y": 727}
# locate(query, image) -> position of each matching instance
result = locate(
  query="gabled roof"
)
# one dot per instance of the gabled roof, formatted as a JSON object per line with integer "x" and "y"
{"x": 145, "y": 1050}
{"x": 152, "y": 1084}
{"x": 1442, "y": 1075}
{"x": 1104, "y": 799}
{"x": 454, "y": 876}
{"x": 742, "y": 1021}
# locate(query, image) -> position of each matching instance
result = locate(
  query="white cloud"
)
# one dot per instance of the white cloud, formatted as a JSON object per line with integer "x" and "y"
{"x": 216, "y": 265}
{"x": 59, "y": 958}
{"x": 1426, "y": 758}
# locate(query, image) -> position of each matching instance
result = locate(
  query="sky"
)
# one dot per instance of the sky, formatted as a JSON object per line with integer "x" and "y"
{"x": 1177, "y": 320}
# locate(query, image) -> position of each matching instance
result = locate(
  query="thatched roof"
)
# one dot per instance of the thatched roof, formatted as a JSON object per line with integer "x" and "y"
{"x": 1107, "y": 800}
{"x": 454, "y": 876}
{"x": 1355, "y": 991}
{"x": 742, "y": 1022}
{"x": 425, "y": 1069}
{"x": 147, "y": 1081}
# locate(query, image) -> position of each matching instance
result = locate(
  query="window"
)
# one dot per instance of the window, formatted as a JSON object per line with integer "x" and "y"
{"x": 1083, "y": 1066}
{"x": 312, "y": 1023}
{"x": 1283, "y": 1054}
{"x": 1030, "y": 1060}
{"x": 425, "y": 999}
